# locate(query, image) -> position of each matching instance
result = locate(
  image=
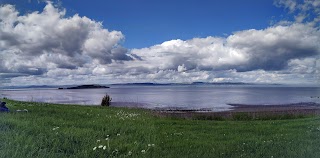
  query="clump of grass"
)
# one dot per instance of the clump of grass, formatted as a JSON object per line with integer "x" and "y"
{"x": 106, "y": 100}
{"x": 248, "y": 116}
{"x": 242, "y": 117}
{"x": 205, "y": 117}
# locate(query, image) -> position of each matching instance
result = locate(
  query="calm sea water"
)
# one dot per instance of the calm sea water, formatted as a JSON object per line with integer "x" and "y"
{"x": 215, "y": 98}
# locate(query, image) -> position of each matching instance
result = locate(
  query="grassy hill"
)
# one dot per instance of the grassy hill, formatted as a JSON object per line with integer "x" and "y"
{"x": 51, "y": 130}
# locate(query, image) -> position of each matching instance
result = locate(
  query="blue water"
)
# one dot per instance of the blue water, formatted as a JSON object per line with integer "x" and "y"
{"x": 208, "y": 97}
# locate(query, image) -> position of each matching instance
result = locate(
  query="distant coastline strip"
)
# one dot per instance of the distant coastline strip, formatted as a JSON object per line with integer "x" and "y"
{"x": 85, "y": 87}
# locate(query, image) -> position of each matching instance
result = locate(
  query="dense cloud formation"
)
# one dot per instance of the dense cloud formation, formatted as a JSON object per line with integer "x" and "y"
{"x": 36, "y": 43}
{"x": 48, "y": 48}
{"x": 268, "y": 49}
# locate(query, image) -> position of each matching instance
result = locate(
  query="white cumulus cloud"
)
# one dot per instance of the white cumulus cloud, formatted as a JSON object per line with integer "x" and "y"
{"x": 38, "y": 42}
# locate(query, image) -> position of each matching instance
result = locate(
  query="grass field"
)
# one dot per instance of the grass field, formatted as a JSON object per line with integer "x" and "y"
{"x": 49, "y": 130}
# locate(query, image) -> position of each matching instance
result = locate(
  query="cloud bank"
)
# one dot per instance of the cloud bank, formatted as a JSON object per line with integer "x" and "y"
{"x": 35, "y": 43}
{"x": 49, "y": 48}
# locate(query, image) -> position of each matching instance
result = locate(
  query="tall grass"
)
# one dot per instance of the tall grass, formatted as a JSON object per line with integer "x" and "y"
{"x": 49, "y": 130}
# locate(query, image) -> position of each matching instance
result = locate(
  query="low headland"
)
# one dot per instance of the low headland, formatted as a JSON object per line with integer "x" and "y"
{"x": 53, "y": 130}
{"x": 89, "y": 86}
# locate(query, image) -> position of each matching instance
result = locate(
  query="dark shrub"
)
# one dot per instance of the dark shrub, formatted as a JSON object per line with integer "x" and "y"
{"x": 106, "y": 100}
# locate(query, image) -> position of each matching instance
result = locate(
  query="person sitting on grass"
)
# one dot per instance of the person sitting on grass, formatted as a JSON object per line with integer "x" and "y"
{"x": 3, "y": 107}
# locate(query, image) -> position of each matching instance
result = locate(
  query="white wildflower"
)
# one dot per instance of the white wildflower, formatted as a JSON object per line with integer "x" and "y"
{"x": 94, "y": 148}
{"x": 100, "y": 146}
{"x": 98, "y": 140}
{"x": 149, "y": 145}
{"x": 143, "y": 151}
{"x": 107, "y": 138}
{"x": 130, "y": 153}
{"x": 118, "y": 134}
{"x": 104, "y": 147}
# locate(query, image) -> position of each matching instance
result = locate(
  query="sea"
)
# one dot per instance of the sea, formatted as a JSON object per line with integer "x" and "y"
{"x": 172, "y": 97}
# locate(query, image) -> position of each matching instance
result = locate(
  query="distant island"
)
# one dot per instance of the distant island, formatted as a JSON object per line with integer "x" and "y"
{"x": 91, "y": 86}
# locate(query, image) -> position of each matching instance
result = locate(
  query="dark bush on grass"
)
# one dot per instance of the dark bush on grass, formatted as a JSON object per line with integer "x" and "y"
{"x": 106, "y": 100}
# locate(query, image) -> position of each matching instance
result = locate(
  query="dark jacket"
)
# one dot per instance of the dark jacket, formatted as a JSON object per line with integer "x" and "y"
{"x": 3, "y": 107}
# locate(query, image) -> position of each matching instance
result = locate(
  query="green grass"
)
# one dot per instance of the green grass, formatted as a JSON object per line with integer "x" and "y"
{"x": 130, "y": 132}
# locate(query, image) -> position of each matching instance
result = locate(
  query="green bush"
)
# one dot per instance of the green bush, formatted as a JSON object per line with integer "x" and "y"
{"x": 106, "y": 100}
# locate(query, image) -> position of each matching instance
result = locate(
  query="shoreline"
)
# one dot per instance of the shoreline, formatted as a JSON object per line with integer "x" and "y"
{"x": 275, "y": 107}
{"x": 252, "y": 111}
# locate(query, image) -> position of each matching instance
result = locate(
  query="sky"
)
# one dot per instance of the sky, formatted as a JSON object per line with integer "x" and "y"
{"x": 123, "y": 41}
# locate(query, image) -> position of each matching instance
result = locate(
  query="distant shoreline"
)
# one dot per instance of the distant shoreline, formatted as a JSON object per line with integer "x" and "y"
{"x": 85, "y": 87}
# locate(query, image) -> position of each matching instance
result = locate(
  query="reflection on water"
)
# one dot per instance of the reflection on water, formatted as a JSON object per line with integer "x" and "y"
{"x": 185, "y": 97}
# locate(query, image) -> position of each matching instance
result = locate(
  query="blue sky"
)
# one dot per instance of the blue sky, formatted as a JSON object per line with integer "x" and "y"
{"x": 145, "y": 23}
{"x": 120, "y": 41}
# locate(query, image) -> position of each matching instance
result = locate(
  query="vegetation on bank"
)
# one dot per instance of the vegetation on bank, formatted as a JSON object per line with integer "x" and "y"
{"x": 106, "y": 100}
{"x": 51, "y": 130}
